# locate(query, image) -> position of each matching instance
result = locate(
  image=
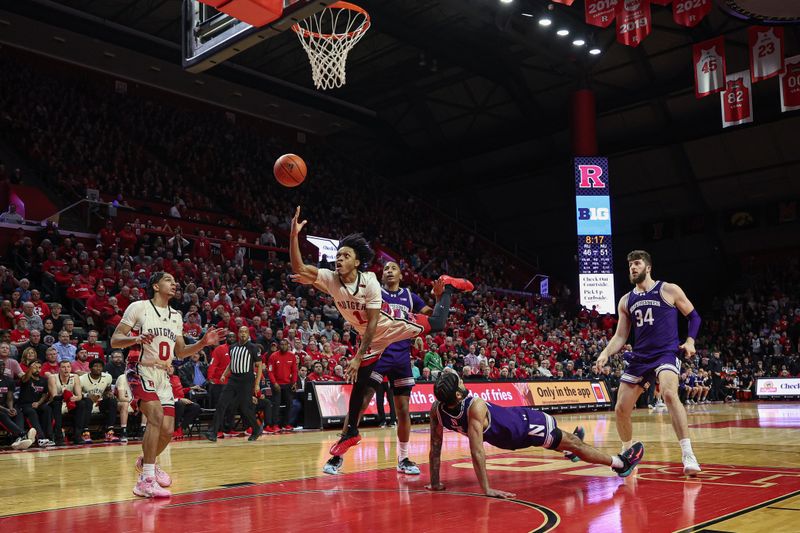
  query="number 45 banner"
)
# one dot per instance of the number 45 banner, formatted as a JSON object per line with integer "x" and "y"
{"x": 737, "y": 99}
{"x": 709, "y": 66}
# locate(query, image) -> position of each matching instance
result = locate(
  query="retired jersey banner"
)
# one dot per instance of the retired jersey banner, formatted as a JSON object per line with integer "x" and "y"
{"x": 766, "y": 51}
{"x": 689, "y": 13}
{"x": 709, "y": 66}
{"x": 600, "y": 13}
{"x": 737, "y": 100}
{"x": 633, "y": 21}
{"x": 790, "y": 84}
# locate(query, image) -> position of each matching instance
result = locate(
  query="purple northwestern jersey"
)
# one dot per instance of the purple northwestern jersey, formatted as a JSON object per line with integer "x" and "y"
{"x": 400, "y": 304}
{"x": 655, "y": 323}
{"x": 510, "y": 428}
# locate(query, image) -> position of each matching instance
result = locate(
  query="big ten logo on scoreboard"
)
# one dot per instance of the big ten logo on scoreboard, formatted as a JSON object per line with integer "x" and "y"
{"x": 593, "y": 222}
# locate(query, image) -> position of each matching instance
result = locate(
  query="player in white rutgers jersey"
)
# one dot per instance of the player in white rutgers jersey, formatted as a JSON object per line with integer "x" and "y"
{"x": 161, "y": 335}
{"x": 358, "y": 298}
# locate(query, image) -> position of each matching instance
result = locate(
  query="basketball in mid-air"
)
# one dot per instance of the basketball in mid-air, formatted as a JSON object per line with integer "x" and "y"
{"x": 290, "y": 170}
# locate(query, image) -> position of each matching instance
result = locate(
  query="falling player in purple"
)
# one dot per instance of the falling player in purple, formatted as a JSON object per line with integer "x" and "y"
{"x": 652, "y": 309}
{"x": 395, "y": 363}
{"x": 509, "y": 428}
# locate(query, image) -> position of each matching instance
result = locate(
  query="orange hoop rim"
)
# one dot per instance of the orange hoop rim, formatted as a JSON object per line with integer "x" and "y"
{"x": 335, "y": 36}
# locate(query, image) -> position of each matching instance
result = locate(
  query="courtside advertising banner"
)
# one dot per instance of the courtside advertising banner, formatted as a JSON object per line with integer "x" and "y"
{"x": 778, "y": 387}
{"x": 689, "y": 13}
{"x": 600, "y": 13}
{"x": 766, "y": 51}
{"x": 737, "y": 99}
{"x": 790, "y": 84}
{"x": 633, "y": 21}
{"x": 333, "y": 398}
{"x": 708, "y": 59}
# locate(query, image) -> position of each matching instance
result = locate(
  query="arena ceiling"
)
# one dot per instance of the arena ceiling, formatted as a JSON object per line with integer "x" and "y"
{"x": 473, "y": 91}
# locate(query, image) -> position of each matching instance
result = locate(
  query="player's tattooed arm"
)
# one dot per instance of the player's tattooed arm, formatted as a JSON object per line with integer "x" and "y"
{"x": 435, "y": 453}
{"x": 477, "y": 417}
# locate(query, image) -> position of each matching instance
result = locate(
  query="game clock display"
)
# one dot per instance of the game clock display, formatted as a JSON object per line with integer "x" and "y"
{"x": 594, "y": 254}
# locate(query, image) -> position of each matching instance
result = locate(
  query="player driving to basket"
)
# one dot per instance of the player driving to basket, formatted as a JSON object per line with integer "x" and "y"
{"x": 357, "y": 296}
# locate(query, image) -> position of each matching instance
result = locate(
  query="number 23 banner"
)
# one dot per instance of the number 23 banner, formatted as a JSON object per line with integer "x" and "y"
{"x": 766, "y": 51}
{"x": 737, "y": 99}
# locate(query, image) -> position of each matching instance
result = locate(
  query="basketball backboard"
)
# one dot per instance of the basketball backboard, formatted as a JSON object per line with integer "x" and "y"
{"x": 211, "y": 37}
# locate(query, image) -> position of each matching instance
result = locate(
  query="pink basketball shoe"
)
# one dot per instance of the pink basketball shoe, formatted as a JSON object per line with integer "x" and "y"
{"x": 162, "y": 478}
{"x": 148, "y": 488}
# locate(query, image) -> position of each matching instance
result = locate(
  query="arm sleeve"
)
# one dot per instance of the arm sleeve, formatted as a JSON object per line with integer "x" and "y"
{"x": 132, "y": 316}
{"x": 373, "y": 293}
{"x": 694, "y": 323}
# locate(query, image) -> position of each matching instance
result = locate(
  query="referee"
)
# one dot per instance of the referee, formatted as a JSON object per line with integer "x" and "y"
{"x": 241, "y": 386}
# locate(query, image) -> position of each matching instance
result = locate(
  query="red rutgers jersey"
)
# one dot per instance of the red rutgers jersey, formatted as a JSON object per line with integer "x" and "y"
{"x": 736, "y": 101}
{"x": 790, "y": 85}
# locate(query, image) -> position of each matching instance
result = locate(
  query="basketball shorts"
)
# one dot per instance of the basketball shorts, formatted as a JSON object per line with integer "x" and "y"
{"x": 644, "y": 370}
{"x": 397, "y": 367}
{"x": 149, "y": 384}
{"x": 391, "y": 330}
{"x": 537, "y": 429}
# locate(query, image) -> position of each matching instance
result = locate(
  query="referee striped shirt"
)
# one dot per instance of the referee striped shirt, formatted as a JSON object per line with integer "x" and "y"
{"x": 243, "y": 358}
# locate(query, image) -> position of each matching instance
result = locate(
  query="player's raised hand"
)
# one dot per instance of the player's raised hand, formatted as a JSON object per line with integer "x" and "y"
{"x": 302, "y": 280}
{"x": 438, "y": 288}
{"x": 213, "y": 336}
{"x": 494, "y": 493}
{"x": 297, "y": 225}
{"x": 437, "y": 487}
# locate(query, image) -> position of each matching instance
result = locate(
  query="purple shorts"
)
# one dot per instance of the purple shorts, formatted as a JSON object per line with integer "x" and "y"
{"x": 397, "y": 367}
{"x": 641, "y": 370}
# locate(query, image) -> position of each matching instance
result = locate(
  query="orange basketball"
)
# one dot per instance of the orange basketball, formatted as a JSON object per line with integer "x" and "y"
{"x": 290, "y": 170}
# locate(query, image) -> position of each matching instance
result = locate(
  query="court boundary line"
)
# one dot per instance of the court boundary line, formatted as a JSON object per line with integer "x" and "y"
{"x": 736, "y": 514}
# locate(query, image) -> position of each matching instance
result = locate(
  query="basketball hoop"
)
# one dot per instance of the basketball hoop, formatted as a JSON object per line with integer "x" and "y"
{"x": 327, "y": 37}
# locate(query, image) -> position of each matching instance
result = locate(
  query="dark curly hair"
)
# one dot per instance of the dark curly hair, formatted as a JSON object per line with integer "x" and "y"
{"x": 360, "y": 246}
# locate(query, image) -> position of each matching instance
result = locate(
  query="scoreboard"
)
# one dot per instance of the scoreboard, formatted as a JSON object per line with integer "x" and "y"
{"x": 593, "y": 219}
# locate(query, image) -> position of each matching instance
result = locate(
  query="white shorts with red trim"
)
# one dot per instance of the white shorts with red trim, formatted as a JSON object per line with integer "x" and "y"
{"x": 149, "y": 384}
{"x": 394, "y": 329}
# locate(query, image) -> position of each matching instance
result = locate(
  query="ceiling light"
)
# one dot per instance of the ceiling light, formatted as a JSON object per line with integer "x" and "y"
{"x": 595, "y": 51}
{"x": 527, "y": 14}
{"x": 545, "y": 21}
{"x": 506, "y": 1}
{"x": 579, "y": 42}
{"x": 563, "y": 32}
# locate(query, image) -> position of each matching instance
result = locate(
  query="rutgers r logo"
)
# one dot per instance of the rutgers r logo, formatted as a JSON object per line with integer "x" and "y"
{"x": 593, "y": 213}
{"x": 590, "y": 177}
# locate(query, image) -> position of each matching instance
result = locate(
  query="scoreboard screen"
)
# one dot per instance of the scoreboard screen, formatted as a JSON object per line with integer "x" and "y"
{"x": 593, "y": 216}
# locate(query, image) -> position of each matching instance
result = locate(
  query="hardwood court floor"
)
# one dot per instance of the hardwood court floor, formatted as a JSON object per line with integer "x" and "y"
{"x": 751, "y": 482}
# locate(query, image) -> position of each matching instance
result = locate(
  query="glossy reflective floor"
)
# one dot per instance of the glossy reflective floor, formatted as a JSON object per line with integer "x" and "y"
{"x": 751, "y": 482}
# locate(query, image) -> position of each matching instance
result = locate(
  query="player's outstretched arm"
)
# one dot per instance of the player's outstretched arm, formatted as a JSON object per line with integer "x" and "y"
{"x": 298, "y": 267}
{"x": 477, "y": 416}
{"x": 212, "y": 337}
{"x": 435, "y": 453}
{"x": 620, "y": 337}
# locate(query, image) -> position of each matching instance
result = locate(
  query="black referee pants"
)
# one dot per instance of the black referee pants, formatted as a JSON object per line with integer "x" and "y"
{"x": 237, "y": 392}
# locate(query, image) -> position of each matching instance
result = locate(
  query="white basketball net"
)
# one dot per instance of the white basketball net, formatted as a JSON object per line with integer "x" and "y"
{"x": 327, "y": 37}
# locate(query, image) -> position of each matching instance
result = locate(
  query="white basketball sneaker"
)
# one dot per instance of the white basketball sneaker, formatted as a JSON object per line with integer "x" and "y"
{"x": 690, "y": 465}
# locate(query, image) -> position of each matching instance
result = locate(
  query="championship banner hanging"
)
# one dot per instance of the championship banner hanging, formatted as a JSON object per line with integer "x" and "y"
{"x": 708, "y": 59}
{"x": 600, "y": 13}
{"x": 737, "y": 99}
{"x": 633, "y": 21}
{"x": 766, "y": 51}
{"x": 689, "y": 13}
{"x": 790, "y": 84}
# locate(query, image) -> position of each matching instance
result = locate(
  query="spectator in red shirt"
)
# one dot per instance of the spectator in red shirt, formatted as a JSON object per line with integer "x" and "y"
{"x": 20, "y": 335}
{"x": 107, "y": 236}
{"x": 51, "y": 364}
{"x": 220, "y": 359}
{"x": 202, "y": 247}
{"x": 282, "y": 368}
{"x": 127, "y": 237}
{"x": 7, "y": 318}
{"x": 93, "y": 348}
{"x": 80, "y": 289}
{"x": 41, "y": 308}
{"x": 227, "y": 249}
{"x": 318, "y": 374}
{"x": 97, "y": 306}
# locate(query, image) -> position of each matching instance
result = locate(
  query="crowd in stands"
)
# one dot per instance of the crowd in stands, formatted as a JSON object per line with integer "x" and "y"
{"x": 62, "y": 297}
